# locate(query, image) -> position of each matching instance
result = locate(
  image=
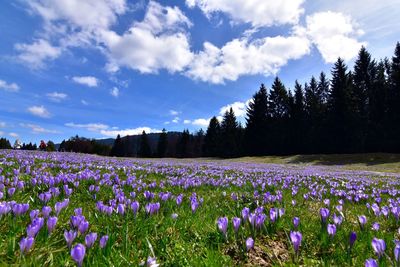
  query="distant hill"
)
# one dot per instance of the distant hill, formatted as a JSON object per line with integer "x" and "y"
{"x": 131, "y": 142}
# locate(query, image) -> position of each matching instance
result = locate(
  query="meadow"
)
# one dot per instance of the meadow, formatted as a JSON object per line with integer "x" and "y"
{"x": 67, "y": 209}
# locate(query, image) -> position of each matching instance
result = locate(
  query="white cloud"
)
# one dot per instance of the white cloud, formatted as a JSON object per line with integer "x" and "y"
{"x": 173, "y": 112}
{"x": 82, "y": 14}
{"x": 334, "y": 34}
{"x": 56, "y": 96}
{"x": 35, "y": 54}
{"x": 39, "y": 111}
{"x": 243, "y": 57}
{"x": 187, "y": 121}
{"x": 157, "y": 42}
{"x": 114, "y": 92}
{"x": 93, "y": 127}
{"x": 239, "y": 108}
{"x": 15, "y": 135}
{"x": 134, "y": 131}
{"x": 86, "y": 80}
{"x": 84, "y": 102}
{"x": 201, "y": 122}
{"x": 36, "y": 129}
{"x": 258, "y": 13}
{"x": 10, "y": 87}
{"x": 176, "y": 120}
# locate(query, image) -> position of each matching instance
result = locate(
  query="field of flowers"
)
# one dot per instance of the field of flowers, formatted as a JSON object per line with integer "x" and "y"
{"x": 65, "y": 209}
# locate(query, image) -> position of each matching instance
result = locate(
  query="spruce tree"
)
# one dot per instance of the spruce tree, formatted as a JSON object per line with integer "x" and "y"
{"x": 117, "y": 149}
{"x": 162, "y": 144}
{"x": 229, "y": 135}
{"x": 279, "y": 116}
{"x": 144, "y": 147}
{"x": 394, "y": 104}
{"x": 212, "y": 139}
{"x": 256, "y": 139}
{"x": 341, "y": 110}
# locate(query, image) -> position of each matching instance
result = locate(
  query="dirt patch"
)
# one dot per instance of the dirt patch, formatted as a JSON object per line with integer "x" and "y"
{"x": 267, "y": 251}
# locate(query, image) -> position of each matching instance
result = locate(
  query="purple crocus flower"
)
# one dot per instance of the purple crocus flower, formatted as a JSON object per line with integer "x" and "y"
{"x": 222, "y": 224}
{"x": 152, "y": 262}
{"x": 331, "y": 228}
{"x": 236, "y": 223}
{"x": 362, "y": 219}
{"x": 379, "y": 246}
{"x": 371, "y": 263}
{"x": 51, "y": 223}
{"x": 352, "y": 238}
{"x": 273, "y": 214}
{"x": 249, "y": 243}
{"x": 46, "y": 211}
{"x": 337, "y": 220}
{"x": 245, "y": 213}
{"x": 78, "y": 253}
{"x": 121, "y": 209}
{"x": 25, "y": 244}
{"x": 376, "y": 226}
{"x": 69, "y": 237}
{"x": 324, "y": 212}
{"x": 135, "y": 207}
{"x": 83, "y": 226}
{"x": 296, "y": 237}
{"x": 78, "y": 211}
{"x": 396, "y": 251}
{"x": 174, "y": 216}
{"x": 33, "y": 214}
{"x": 90, "y": 239}
{"x": 296, "y": 222}
{"x": 103, "y": 241}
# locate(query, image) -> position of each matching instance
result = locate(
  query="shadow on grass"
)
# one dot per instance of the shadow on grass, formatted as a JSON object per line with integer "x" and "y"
{"x": 369, "y": 159}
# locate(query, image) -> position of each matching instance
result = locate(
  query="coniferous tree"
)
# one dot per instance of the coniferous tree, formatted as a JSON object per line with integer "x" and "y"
{"x": 183, "y": 144}
{"x": 297, "y": 116}
{"x": 363, "y": 81}
{"x": 144, "y": 147}
{"x": 198, "y": 143}
{"x": 162, "y": 144}
{"x": 50, "y": 146}
{"x": 212, "y": 139}
{"x": 257, "y": 124}
{"x": 229, "y": 135}
{"x": 393, "y": 126}
{"x": 117, "y": 149}
{"x": 279, "y": 115}
{"x": 5, "y": 144}
{"x": 340, "y": 110}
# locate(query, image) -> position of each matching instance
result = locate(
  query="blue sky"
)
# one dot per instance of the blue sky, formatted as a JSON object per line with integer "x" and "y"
{"x": 102, "y": 67}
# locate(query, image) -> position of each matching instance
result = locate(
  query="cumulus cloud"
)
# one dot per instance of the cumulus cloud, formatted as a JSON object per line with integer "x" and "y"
{"x": 239, "y": 108}
{"x": 39, "y": 111}
{"x": 259, "y": 13}
{"x": 15, "y": 135}
{"x": 114, "y": 92}
{"x": 244, "y": 57}
{"x": 176, "y": 120}
{"x": 201, "y": 122}
{"x": 56, "y": 96}
{"x": 157, "y": 42}
{"x": 106, "y": 130}
{"x": 334, "y": 34}
{"x": 93, "y": 127}
{"x": 36, "y": 129}
{"x": 35, "y": 54}
{"x": 86, "y": 80}
{"x": 10, "y": 87}
{"x": 132, "y": 131}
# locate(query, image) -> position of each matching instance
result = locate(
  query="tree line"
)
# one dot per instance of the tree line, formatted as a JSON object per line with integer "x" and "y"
{"x": 355, "y": 111}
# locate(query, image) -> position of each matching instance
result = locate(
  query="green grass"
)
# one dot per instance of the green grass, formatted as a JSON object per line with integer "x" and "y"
{"x": 375, "y": 162}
